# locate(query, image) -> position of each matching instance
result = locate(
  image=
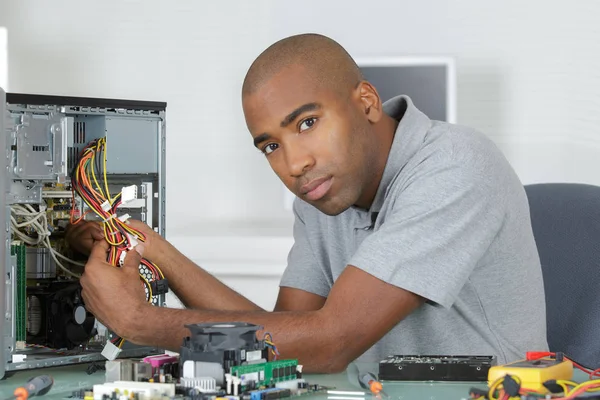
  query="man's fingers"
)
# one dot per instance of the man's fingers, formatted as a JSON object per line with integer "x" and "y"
{"x": 99, "y": 250}
{"x": 73, "y": 230}
{"x": 133, "y": 259}
{"x": 98, "y": 234}
{"x": 96, "y": 230}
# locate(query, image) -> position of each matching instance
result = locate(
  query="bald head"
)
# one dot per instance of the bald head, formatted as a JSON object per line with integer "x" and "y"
{"x": 318, "y": 122}
{"x": 323, "y": 61}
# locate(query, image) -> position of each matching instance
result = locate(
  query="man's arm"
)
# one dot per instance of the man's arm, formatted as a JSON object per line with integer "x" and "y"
{"x": 352, "y": 319}
{"x": 195, "y": 287}
{"x": 198, "y": 289}
{"x": 292, "y": 299}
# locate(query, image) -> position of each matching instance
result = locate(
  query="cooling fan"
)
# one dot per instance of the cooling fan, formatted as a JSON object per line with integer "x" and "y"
{"x": 69, "y": 323}
{"x": 212, "y": 349}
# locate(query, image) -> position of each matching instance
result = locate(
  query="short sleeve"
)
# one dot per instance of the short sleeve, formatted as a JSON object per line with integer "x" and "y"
{"x": 442, "y": 222}
{"x": 303, "y": 271}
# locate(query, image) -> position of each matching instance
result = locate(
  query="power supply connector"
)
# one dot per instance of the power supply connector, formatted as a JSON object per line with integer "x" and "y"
{"x": 132, "y": 240}
{"x": 159, "y": 287}
{"x": 122, "y": 258}
{"x": 128, "y": 193}
{"x": 110, "y": 351}
{"x": 106, "y": 206}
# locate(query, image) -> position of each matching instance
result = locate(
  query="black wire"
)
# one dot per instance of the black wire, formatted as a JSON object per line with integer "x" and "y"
{"x": 99, "y": 154}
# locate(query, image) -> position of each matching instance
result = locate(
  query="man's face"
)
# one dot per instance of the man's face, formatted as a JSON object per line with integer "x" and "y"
{"x": 315, "y": 139}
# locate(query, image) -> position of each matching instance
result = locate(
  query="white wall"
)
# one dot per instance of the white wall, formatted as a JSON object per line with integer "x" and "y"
{"x": 3, "y": 59}
{"x": 527, "y": 77}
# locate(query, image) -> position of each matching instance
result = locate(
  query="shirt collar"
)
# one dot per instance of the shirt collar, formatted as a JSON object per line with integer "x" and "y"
{"x": 408, "y": 138}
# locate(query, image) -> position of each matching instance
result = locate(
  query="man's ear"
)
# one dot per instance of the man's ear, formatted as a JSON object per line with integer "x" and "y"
{"x": 370, "y": 102}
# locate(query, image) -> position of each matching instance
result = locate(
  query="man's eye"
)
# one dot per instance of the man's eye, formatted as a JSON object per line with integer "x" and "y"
{"x": 270, "y": 148}
{"x": 307, "y": 123}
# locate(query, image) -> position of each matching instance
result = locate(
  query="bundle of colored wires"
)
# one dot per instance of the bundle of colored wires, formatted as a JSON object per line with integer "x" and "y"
{"x": 497, "y": 389}
{"x": 37, "y": 221}
{"x": 570, "y": 390}
{"x": 89, "y": 180}
{"x": 268, "y": 339}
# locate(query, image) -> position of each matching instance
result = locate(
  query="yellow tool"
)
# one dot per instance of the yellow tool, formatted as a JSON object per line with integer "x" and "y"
{"x": 533, "y": 373}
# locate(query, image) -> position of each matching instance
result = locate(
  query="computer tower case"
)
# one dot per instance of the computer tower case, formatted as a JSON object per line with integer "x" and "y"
{"x": 45, "y": 322}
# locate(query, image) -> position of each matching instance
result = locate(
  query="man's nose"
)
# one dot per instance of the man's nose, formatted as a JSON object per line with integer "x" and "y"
{"x": 299, "y": 160}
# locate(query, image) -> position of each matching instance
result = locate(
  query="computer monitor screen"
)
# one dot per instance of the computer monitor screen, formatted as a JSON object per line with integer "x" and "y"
{"x": 429, "y": 82}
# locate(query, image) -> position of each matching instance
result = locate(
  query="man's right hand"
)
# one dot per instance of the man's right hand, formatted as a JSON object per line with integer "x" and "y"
{"x": 81, "y": 236}
{"x": 152, "y": 238}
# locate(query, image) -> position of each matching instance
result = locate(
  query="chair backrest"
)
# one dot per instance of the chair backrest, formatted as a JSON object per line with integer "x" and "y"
{"x": 566, "y": 225}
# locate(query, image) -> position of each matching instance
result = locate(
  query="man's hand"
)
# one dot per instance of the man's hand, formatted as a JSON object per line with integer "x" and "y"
{"x": 152, "y": 238}
{"x": 81, "y": 236}
{"x": 114, "y": 295}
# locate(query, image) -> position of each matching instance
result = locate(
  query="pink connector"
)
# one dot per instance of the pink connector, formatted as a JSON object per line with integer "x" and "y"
{"x": 157, "y": 361}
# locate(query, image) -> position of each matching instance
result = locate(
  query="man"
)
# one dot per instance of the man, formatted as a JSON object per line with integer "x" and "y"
{"x": 411, "y": 236}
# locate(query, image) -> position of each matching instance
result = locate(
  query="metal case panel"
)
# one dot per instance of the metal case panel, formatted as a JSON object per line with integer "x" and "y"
{"x": 135, "y": 151}
{"x": 41, "y": 147}
{"x": 5, "y": 325}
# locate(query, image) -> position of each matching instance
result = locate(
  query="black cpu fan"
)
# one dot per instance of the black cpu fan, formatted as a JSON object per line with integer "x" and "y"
{"x": 226, "y": 344}
{"x": 69, "y": 323}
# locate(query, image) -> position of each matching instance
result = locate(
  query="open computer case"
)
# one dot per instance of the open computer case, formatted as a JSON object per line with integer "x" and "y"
{"x": 45, "y": 322}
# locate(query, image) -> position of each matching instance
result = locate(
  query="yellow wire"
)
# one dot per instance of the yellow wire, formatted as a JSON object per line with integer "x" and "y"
{"x": 566, "y": 382}
{"x": 162, "y": 276}
{"x": 132, "y": 231}
{"x": 92, "y": 161}
{"x": 564, "y": 387}
{"x": 95, "y": 194}
{"x": 108, "y": 234}
{"x": 110, "y": 199}
{"x": 586, "y": 383}
{"x": 149, "y": 299}
{"x": 494, "y": 387}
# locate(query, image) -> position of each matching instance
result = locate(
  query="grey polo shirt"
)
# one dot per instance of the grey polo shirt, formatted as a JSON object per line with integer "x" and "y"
{"x": 451, "y": 224}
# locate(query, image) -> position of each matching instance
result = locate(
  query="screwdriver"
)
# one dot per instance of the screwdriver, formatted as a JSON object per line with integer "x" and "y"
{"x": 36, "y": 386}
{"x": 369, "y": 381}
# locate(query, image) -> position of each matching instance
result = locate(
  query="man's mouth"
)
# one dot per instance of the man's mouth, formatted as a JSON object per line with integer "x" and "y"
{"x": 317, "y": 188}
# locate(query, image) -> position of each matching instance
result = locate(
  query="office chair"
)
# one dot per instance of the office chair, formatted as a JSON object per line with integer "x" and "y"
{"x": 566, "y": 225}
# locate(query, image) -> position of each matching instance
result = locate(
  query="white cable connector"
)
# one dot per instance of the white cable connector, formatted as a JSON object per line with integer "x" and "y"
{"x": 132, "y": 240}
{"x": 122, "y": 258}
{"x": 105, "y": 206}
{"x": 228, "y": 380}
{"x": 236, "y": 385}
{"x": 124, "y": 217}
{"x": 128, "y": 193}
{"x": 110, "y": 351}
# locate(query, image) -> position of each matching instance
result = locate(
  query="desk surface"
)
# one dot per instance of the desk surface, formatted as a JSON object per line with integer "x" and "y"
{"x": 74, "y": 378}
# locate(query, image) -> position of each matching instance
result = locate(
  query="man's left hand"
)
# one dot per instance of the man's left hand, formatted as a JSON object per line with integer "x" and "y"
{"x": 114, "y": 295}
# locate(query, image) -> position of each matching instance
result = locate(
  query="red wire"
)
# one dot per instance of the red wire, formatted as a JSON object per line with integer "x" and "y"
{"x": 535, "y": 355}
